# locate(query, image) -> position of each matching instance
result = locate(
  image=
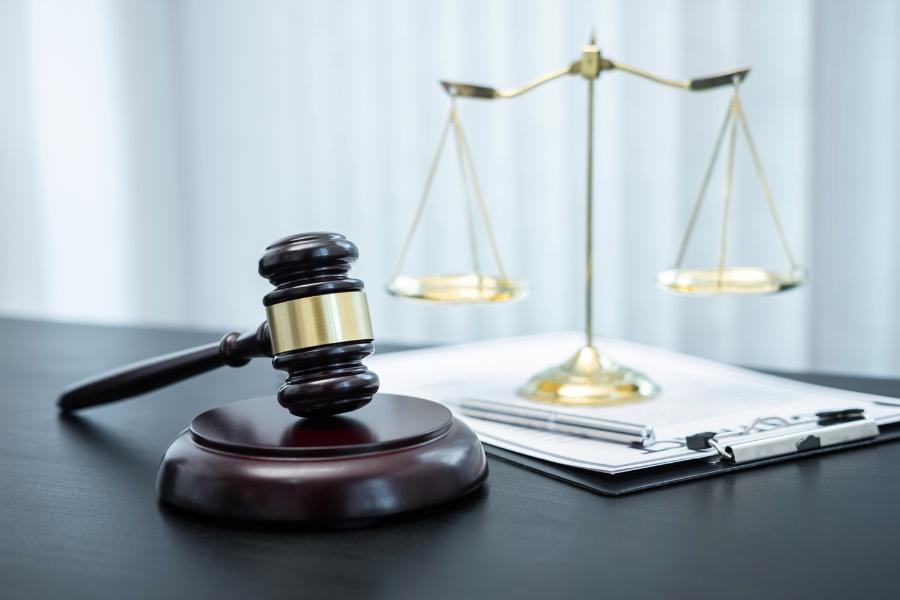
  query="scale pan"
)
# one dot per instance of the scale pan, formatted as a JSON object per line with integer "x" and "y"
{"x": 730, "y": 281}
{"x": 467, "y": 288}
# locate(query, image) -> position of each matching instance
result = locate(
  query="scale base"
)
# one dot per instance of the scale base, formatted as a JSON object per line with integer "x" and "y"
{"x": 253, "y": 460}
{"x": 587, "y": 379}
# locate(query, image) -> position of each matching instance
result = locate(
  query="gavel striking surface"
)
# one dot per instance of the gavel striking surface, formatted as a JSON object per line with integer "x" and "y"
{"x": 254, "y": 460}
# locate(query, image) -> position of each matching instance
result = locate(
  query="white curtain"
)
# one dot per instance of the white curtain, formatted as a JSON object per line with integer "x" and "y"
{"x": 150, "y": 150}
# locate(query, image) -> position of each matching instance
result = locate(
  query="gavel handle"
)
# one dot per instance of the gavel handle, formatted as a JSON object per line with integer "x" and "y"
{"x": 233, "y": 350}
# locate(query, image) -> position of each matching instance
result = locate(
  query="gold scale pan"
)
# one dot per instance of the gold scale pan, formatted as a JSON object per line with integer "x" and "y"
{"x": 475, "y": 287}
{"x": 588, "y": 378}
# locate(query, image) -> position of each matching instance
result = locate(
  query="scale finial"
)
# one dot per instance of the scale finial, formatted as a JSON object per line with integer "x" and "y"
{"x": 593, "y": 41}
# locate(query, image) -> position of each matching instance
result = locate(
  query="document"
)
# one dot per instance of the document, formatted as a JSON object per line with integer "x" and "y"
{"x": 696, "y": 395}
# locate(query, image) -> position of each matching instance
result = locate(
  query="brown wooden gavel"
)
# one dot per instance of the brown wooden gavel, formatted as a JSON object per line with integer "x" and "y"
{"x": 317, "y": 329}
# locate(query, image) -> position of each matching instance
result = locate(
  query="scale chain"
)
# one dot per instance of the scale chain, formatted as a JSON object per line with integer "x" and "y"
{"x": 698, "y": 204}
{"x": 734, "y": 116}
{"x": 481, "y": 204}
{"x": 424, "y": 199}
{"x": 767, "y": 193}
{"x": 467, "y": 196}
{"x": 729, "y": 173}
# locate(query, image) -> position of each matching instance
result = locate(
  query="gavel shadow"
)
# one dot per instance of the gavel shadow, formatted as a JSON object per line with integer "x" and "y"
{"x": 348, "y": 430}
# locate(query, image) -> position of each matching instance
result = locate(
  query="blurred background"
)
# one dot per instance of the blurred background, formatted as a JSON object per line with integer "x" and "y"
{"x": 150, "y": 150}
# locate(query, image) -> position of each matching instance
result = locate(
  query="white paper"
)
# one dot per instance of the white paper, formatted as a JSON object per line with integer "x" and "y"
{"x": 697, "y": 395}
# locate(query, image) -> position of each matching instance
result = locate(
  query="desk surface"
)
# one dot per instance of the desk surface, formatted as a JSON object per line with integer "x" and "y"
{"x": 79, "y": 515}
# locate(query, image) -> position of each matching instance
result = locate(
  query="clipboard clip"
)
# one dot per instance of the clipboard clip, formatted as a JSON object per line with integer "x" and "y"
{"x": 832, "y": 428}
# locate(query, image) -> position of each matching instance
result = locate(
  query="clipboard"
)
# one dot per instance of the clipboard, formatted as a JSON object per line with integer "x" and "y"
{"x": 747, "y": 419}
{"x": 645, "y": 479}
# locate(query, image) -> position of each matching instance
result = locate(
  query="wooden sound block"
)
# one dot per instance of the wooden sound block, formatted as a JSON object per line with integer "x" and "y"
{"x": 254, "y": 460}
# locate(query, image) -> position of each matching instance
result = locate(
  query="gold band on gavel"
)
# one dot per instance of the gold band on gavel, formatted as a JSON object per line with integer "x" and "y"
{"x": 319, "y": 320}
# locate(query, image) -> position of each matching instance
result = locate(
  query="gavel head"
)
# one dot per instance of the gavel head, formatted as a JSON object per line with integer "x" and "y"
{"x": 319, "y": 324}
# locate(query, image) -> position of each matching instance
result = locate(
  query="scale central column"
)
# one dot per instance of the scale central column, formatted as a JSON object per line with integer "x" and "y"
{"x": 587, "y": 378}
{"x": 589, "y": 225}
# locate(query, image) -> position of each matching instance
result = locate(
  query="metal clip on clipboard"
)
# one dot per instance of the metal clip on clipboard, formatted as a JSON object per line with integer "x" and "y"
{"x": 831, "y": 429}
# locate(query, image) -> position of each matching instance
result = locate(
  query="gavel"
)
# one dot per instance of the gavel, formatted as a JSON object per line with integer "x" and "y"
{"x": 317, "y": 329}
{"x": 251, "y": 460}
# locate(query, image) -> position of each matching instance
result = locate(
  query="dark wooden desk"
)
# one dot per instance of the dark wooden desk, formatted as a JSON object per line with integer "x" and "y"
{"x": 79, "y": 516}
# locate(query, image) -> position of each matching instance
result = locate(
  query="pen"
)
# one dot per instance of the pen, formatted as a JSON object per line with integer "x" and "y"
{"x": 533, "y": 418}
